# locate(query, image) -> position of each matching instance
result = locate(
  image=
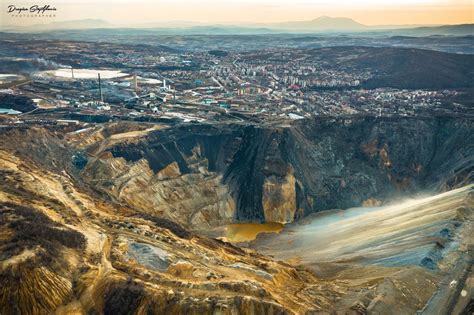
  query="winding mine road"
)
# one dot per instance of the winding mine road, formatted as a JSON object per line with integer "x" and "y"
{"x": 445, "y": 298}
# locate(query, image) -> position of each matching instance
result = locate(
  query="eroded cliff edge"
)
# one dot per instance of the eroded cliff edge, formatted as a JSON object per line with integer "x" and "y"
{"x": 208, "y": 175}
{"x": 71, "y": 241}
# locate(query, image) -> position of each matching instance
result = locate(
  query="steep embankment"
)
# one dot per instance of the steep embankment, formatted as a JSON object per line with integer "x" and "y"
{"x": 67, "y": 250}
{"x": 80, "y": 233}
{"x": 410, "y": 232}
{"x": 204, "y": 175}
{"x": 409, "y": 244}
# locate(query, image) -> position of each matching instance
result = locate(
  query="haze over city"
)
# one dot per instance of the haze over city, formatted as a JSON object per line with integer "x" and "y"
{"x": 186, "y": 12}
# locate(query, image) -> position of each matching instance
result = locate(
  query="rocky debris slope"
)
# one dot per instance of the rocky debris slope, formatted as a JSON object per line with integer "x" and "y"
{"x": 206, "y": 175}
{"x": 66, "y": 248}
{"x": 409, "y": 244}
{"x": 81, "y": 224}
{"x": 411, "y": 232}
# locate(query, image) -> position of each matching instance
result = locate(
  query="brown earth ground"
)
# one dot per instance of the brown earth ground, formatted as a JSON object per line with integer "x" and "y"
{"x": 67, "y": 248}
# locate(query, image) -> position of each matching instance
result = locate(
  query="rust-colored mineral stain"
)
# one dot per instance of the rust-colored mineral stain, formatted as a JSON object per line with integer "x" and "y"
{"x": 242, "y": 232}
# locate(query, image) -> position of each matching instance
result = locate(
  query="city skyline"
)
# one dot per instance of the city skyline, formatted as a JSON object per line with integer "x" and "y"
{"x": 185, "y": 12}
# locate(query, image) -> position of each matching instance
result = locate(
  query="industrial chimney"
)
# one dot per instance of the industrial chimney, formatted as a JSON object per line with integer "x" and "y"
{"x": 135, "y": 82}
{"x": 100, "y": 89}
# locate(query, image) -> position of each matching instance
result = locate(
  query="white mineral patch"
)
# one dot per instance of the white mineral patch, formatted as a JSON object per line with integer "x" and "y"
{"x": 148, "y": 81}
{"x": 8, "y": 77}
{"x": 86, "y": 73}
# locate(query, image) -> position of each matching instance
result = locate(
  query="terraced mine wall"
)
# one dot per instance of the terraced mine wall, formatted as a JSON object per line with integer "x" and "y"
{"x": 280, "y": 173}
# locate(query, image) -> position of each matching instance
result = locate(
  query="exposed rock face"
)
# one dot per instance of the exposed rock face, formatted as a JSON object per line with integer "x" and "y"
{"x": 192, "y": 197}
{"x": 279, "y": 198}
{"x": 212, "y": 175}
{"x": 65, "y": 249}
{"x": 103, "y": 238}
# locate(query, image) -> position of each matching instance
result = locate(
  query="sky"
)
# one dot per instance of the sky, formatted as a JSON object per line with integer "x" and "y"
{"x": 130, "y": 12}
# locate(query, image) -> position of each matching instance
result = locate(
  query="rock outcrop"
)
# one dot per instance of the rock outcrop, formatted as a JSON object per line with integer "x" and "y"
{"x": 208, "y": 175}
{"x": 107, "y": 220}
{"x": 67, "y": 248}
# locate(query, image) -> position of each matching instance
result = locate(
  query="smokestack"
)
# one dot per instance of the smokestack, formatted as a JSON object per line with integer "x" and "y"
{"x": 72, "y": 72}
{"x": 135, "y": 82}
{"x": 100, "y": 89}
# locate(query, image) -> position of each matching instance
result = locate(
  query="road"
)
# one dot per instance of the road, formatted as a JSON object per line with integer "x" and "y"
{"x": 446, "y": 297}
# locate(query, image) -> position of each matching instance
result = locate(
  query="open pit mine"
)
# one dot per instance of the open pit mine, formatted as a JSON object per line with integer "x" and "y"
{"x": 360, "y": 215}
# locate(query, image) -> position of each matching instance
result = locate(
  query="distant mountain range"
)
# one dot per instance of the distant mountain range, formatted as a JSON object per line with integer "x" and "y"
{"x": 451, "y": 30}
{"x": 323, "y": 24}
{"x": 64, "y": 25}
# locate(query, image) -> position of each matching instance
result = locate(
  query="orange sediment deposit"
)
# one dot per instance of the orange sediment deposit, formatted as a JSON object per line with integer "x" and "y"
{"x": 243, "y": 232}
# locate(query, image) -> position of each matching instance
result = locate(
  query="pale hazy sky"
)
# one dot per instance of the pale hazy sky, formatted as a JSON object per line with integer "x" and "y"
{"x": 370, "y": 12}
